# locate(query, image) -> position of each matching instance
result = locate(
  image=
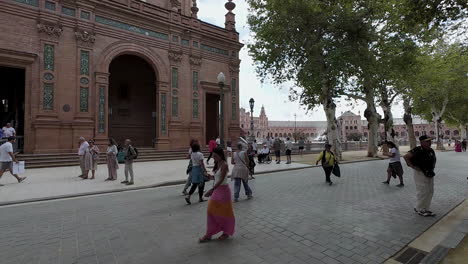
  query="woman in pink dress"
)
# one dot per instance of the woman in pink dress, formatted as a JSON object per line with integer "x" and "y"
{"x": 458, "y": 146}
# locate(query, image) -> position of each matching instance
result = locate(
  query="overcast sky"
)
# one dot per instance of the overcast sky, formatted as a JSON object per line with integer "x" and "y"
{"x": 274, "y": 98}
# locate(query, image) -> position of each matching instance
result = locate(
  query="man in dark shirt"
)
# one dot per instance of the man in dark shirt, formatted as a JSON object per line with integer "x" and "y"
{"x": 422, "y": 160}
{"x": 277, "y": 148}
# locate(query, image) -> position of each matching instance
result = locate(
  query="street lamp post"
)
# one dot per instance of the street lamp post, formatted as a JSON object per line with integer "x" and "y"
{"x": 252, "y": 135}
{"x": 221, "y": 81}
{"x": 341, "y": 129}
{"x": 295, "y": 128}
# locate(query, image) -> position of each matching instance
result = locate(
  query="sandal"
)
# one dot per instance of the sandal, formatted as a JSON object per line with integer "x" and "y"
{"x": 204, "y": 239}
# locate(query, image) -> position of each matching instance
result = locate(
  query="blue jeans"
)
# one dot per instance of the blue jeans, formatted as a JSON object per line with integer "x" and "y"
{"x": 237, "y": 186}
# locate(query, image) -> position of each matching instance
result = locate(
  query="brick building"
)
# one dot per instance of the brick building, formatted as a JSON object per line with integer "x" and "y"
{"x": 145, "y": 70}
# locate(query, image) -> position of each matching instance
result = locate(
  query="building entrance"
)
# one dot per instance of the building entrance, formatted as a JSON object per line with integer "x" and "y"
{"x": 12, "y": 101}
{"x": 212, "y": 116}
{"x": 132, "y": 101}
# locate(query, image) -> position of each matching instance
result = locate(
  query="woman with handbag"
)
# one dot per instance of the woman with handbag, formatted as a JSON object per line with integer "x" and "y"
{"x": 91, "y": 159}
{"x": 112, "y": 163}
{"x": 197, "y": 174}
{"x": 220, "y": 214}
{"x": 328, "y": 161}
{"x": 240, "y": 172}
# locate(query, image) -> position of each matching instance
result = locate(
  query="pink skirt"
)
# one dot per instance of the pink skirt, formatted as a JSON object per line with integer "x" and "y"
{"x": 220, "y": 216}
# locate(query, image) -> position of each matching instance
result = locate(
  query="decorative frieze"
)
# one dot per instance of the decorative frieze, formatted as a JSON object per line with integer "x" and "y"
{"x": 50, "y": 30}
{"x": 131, "y": 28}
{"x": 195, "y": 108}
{"x": 163, "y": 114}
{"x": 195, "y": 80}
{"x": 85, "y": 38}
{"x": 195, "y": 60}
{"x": 175, "y": 57}
{"x": 49, "y": 57}
{"x": 215, "y": 50}
{"x": 234, "y": 66}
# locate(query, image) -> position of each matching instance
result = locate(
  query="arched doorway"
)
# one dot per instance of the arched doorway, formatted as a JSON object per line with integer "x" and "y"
{"x": 132, "y": 101}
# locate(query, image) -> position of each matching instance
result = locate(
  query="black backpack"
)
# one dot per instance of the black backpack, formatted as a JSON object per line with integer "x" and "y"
{"x": 136, "y": 152}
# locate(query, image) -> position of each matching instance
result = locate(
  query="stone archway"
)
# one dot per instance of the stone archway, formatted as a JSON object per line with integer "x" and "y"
{"x": 160, "y": 90}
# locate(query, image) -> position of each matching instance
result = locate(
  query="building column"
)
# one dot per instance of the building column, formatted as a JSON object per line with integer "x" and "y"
{"x": 163, "y": 100}
{"x": 101, "y": 131}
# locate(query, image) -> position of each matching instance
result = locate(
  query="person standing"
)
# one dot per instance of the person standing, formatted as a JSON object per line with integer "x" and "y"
{"x": 327, "y": 157}
{"x": 112, "y": 164}
{"x": 218, "y": 141}
{"x": 8, "y": 131}
{"x": 254, "y": 147}
{"x": 220, "y": 214}
{"x": 251, "y": 155}
{"x": 422, "y": 160}
{"x": 458, "y": 146}
{"x": 211, "y": 146}
{"x": 130, "y": 155}
{"x": 81, "y": 153}
{"x": 91, "y": 159}
{"x": 301, "y": 146}
{"x": 289, "y": 147}
{"x": 7, "y": 158}
{"x": 277, "y": 149}
{"x": 464, "y": 145}
{"x": 240, "y": 173}
{"x": 197, "y": 174}
{"x": 229, "y": 148}
{"x": 394, "y": 166}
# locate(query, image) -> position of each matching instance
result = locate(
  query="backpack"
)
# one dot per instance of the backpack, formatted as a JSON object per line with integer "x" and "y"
{"x": 136, "y": 152}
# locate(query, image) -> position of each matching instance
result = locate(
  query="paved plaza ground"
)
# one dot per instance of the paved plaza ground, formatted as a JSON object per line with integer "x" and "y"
{"x": 293, "y": 218}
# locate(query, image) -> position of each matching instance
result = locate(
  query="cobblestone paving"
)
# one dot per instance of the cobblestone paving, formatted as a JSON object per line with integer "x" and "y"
{"x": 293, "y": 218}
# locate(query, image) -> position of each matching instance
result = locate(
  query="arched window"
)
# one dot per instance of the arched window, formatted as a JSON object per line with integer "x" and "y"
{"x": 416, "y": 133}
{"x": 432, "y": 132}
{"x": 355, "y": 127}
{"x": 281, "y": 134}
{"x": 346, "y": 127}
{"x": 447, "y": 132}
{"x": 455, "y": 132}
{"x": 276, "y": 134}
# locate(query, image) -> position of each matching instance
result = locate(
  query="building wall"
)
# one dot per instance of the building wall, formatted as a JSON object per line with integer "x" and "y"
{"x": 67, "y": 94}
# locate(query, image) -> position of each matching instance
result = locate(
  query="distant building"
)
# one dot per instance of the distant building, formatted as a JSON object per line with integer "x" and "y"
{"x": 351, "y": 126}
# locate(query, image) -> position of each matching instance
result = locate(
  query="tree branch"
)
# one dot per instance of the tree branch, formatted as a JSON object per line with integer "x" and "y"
{"x": 393, "y": 97}
{"x": 357, "y": 97}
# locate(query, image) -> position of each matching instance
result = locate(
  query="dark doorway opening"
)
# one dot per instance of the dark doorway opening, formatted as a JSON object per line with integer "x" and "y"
{"x": 212, "y": 116}
{"x": 132, "y": 101}
{"x": 12, "y": 101}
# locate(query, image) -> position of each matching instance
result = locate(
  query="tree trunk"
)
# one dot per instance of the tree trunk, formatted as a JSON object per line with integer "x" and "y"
{"x": 463, "y": 130}
{"x": 408, "y": 118}
{"x": 437, "y": 119}
{"x": 373, "y": 119}
{"x": 332, "y": 125}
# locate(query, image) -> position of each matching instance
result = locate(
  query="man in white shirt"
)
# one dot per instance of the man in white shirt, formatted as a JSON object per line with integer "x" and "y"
{"x": 7, "y": 158}
{"x": 8, "y": 131}
{"x": 254, "y": 146}
{"x": 263, "y": 153}
{"x": 218, "y": 141}
{"x": 81, "y": 153}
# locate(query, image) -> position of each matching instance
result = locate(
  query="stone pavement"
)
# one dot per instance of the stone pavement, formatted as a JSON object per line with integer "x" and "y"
{"x": 293, "y": 218}
{"x": 63, "y": 181}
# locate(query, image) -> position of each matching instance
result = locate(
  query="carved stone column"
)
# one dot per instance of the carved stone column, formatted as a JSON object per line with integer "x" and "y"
{"x": 101, "y": 132}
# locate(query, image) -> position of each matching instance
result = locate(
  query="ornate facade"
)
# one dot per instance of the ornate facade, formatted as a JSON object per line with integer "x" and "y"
{"x": 145, "y": 70}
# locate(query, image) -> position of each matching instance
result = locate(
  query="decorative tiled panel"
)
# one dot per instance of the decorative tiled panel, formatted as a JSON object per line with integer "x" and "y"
{"x": 195, "y": 44}
{"x": 102, "y": 105}
{"x": 85, "y": 15}
{"x": 163, "y": 114}
{"x": 29, "y": 2}
{"x": 195, "y": 108}
{"x": 48, "y": 97}
{"x": 233, "y": 86}
{"x": 84, "y": 81}
{"x": 175, "y": 78}
{"x": 84, "y": 62}
{"x": 175, "y": 106}
{"x": 185, "y": 42}
{"x": 234, "y": 111}
{"x": 50, "y": 5}
{"x": 49, "y": 57}
{"x": 195, "y": 80}
{"x": 124, "y": 26}
{"x": 48, "y": 76}
{"x": 68, "y": 11}
{"x": 175, "y": 39}
{"x": 215, "y": 50}
{"x": 84, "y": 95}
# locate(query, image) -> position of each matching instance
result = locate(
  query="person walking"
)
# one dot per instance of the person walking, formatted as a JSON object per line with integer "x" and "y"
{"x": 240, "y": 173}
{"x": 394, "y": 166}
{"x": 83, "y": 145}
{"x": 277, "y": 149}
{"x": 220, "y": 214}
{"x": 8, "y": 131}
{"x": 91, "y": 159}
{"x": 327, "y": 158}
{"x": 7, "y": 158}
{"x": 254, "y": 146}
{"x": 422, "y": 160}
{"x": 197, "y": 174}
{"x": 289, "y": 147}
{"x": 464, "y": 145}
{"x": 188, "y": 182}
{"x": 112, "y": 164}
{"x": 130, "y": 155}
{"x": 458, "y": 146}
{"x": 211, "y": 146}
{"x": 251, "y": 155}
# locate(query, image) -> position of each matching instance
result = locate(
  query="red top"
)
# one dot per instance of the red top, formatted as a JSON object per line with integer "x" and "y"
{"x": 212, "y": 145}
